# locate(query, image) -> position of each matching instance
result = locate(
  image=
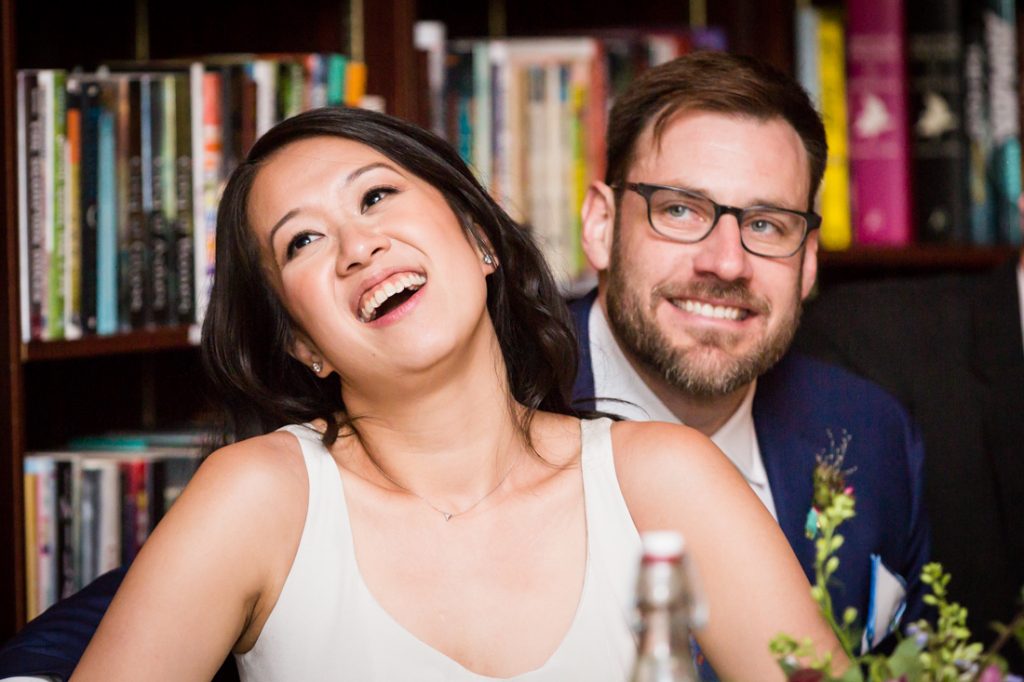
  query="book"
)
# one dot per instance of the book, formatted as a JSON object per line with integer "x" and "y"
{"x": 939, "y": 143}
{"x": 821, "y": 68}
{"x": 879, "y": 145}
{"x": 72, "y": 212}
{"x": 109, "y": 214}
{"x": 132, "y": 250}
{"x": 52, "y": 82}
{"x": 1004, "y": 162}
{"x": 31, "y": 212}
{"x": 981, "y": 210}
{"x": 89, "y": 274}
{"x": 181, "y": 201}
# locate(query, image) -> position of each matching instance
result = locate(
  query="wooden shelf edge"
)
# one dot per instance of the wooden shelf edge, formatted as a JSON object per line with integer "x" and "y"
{"x": 168, "y": 338}
{"x": 922, "y": 257}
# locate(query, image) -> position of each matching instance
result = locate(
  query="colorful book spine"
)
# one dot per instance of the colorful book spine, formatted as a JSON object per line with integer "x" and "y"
{"x": 1005, "y": 160}
{"x": 72, "y": 212}
{"x": 879, "y": 144}
{"x": 836, "y": 226}
{"x": 936, "y": 77}
{"x": 981, "y": 209}
{"x": 107, "y": 213}
{"x": 88, "y": 203}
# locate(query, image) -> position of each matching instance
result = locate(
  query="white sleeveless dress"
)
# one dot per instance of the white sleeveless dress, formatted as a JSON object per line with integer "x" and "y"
{"x": 326, "y": 625}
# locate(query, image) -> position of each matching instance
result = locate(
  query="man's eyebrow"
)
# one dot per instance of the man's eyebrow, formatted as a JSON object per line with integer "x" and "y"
{"x": 348, "y": 181}
{"x": 757, "y": 201}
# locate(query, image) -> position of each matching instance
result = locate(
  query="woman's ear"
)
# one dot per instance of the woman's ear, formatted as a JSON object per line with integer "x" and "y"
{"x": 485, "y": 251}
{"x": 305, "y": 352}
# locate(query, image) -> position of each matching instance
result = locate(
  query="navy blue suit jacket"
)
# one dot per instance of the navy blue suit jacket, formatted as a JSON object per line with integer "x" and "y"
{"x": 796, "y": 405}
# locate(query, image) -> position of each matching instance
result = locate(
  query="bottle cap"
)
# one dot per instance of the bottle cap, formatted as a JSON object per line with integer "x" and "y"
{"x": 662, "y": 545}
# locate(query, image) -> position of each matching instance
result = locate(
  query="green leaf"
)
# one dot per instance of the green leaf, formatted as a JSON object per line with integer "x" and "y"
{"x": 852, "y": 674}
{"x": 906, "y": 660}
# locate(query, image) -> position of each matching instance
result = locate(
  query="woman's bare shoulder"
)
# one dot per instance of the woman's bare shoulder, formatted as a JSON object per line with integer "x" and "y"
{"x": 261, "y": 479}
{"x": 662, "y": 466}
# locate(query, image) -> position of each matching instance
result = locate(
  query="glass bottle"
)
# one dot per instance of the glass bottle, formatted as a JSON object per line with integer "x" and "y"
{"x": 665, "y": 600}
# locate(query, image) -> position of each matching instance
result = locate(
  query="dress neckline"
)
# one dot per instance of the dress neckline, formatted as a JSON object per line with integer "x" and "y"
{"x": 586, "y": 433}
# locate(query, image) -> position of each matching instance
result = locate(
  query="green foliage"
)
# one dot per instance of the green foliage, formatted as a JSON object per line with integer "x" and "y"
{"x": 941, "y": 652}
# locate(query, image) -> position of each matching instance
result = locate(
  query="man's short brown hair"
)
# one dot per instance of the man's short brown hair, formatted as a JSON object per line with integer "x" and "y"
{"x": 716, "y": 82}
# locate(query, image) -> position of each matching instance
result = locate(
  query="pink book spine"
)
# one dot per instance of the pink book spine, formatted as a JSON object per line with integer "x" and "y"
{"x": 879, "y": 143}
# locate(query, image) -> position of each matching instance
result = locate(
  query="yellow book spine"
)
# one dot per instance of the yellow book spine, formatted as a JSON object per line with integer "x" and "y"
{"x": 836, "y": 229}
{"x": 31, "y": 548}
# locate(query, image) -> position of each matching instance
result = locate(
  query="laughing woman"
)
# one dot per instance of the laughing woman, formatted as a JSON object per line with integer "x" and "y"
{"x": 429, "y": 506}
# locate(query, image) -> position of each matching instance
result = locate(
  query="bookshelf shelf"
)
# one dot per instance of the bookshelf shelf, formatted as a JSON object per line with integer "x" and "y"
{"x": 921, "y": 258}
{"x": 137, "y": 342}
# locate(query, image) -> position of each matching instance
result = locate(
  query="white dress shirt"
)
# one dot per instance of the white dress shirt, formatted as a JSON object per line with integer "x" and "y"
{"x": 621, "y": 391}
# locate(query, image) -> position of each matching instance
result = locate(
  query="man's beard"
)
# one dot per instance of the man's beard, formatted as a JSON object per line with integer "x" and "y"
{"x": 695, "y": 371}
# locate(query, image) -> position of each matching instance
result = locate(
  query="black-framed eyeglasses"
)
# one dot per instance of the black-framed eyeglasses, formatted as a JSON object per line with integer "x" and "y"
{"x": 684, "y": 216}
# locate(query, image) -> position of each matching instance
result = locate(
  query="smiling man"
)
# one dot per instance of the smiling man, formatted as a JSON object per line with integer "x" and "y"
{"x": 705, "y": 244}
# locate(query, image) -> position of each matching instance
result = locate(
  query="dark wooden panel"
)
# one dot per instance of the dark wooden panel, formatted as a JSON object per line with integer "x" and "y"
{"x": 12, "y": 576}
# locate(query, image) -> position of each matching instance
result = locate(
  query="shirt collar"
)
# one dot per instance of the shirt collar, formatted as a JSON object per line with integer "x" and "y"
{"x": 614, "y": 377}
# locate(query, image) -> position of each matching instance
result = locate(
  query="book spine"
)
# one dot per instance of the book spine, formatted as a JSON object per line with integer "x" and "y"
{"x": 31, "y": 540}
{"x": 184, "y": 256}
{"x": 1005, "y": 161}
{"x": 879, "y": 147}
{"x": 107, "y": 214}
{"x": 337, "y": 65}
{"x": 30, "y": 194}
{"x": 72, "y": 213}
{"x": 158, "y": 262}
{"x": 67, "y": 519}
{"x": 935, "y": 65}
{"x": 836, "y": 227}
{"x": 208, "y": 107}
{"x": 133, "y": 237}
{"x": 56, "y": 113}
{"x": 89, "y": 205}
{"x": 976, "y": 126}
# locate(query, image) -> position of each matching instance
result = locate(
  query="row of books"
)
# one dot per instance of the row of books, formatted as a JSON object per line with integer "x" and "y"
{"x": 120, "y": 173}
{"x": 90, "y": 507}
{"x": 920, "y": 102}
{"x": 529, "y": 116}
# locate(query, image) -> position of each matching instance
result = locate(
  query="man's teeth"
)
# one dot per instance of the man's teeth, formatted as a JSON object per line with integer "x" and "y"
{"x": 375, "y": 298}
{"x": 717, "y": 312}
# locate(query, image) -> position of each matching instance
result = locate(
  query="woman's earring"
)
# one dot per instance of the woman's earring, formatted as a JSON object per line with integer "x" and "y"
{"x": 488, "y": 259}
{"x": 317, "y": 366}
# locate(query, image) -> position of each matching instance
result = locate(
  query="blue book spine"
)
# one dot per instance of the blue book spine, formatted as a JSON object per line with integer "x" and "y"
{"x": 106, "y": 229}
{"x": 1004, "y": 164}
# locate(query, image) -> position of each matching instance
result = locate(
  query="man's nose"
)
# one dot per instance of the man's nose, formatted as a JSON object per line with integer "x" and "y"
{"x": 722, "y": 254}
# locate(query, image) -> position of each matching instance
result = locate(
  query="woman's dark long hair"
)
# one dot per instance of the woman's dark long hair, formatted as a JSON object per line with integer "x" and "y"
{"x": 247, "y": 333}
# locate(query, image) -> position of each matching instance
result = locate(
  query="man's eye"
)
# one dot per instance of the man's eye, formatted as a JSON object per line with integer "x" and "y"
{"x": 678, "y": 211}
{"x": 299, "y": 241}
{"x": 762, "y": 226}
{"x": 375, "y": 196}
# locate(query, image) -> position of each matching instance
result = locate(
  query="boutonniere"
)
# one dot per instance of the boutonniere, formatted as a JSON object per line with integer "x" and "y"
{"x": 830, "y": 484}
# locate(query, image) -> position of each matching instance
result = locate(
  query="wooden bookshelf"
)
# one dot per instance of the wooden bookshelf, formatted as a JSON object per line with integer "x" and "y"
{"x": 50, "y": 391}
{"x": 150, "y": 376}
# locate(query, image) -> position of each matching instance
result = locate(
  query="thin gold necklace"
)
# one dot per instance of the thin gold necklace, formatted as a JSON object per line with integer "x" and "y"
{"x": 448, "y": 516}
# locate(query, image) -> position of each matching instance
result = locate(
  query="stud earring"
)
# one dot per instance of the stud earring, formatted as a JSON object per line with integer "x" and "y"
{"x": 488, "y": 260}
{"x": 317, "y": 366}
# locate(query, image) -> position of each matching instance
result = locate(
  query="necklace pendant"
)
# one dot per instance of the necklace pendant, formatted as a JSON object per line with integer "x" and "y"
{"x": 447, "y": 515}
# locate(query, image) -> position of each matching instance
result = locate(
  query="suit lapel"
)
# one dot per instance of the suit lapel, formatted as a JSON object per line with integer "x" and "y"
{"x": 788, "y": 456}
{"x": 583, "y": 392}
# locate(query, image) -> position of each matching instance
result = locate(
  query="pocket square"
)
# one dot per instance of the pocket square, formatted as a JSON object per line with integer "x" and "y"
{"x": 888, "y": 600}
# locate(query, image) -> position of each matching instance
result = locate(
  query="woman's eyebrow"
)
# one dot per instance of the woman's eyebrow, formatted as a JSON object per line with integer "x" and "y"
{"x": 348, "y": 181}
